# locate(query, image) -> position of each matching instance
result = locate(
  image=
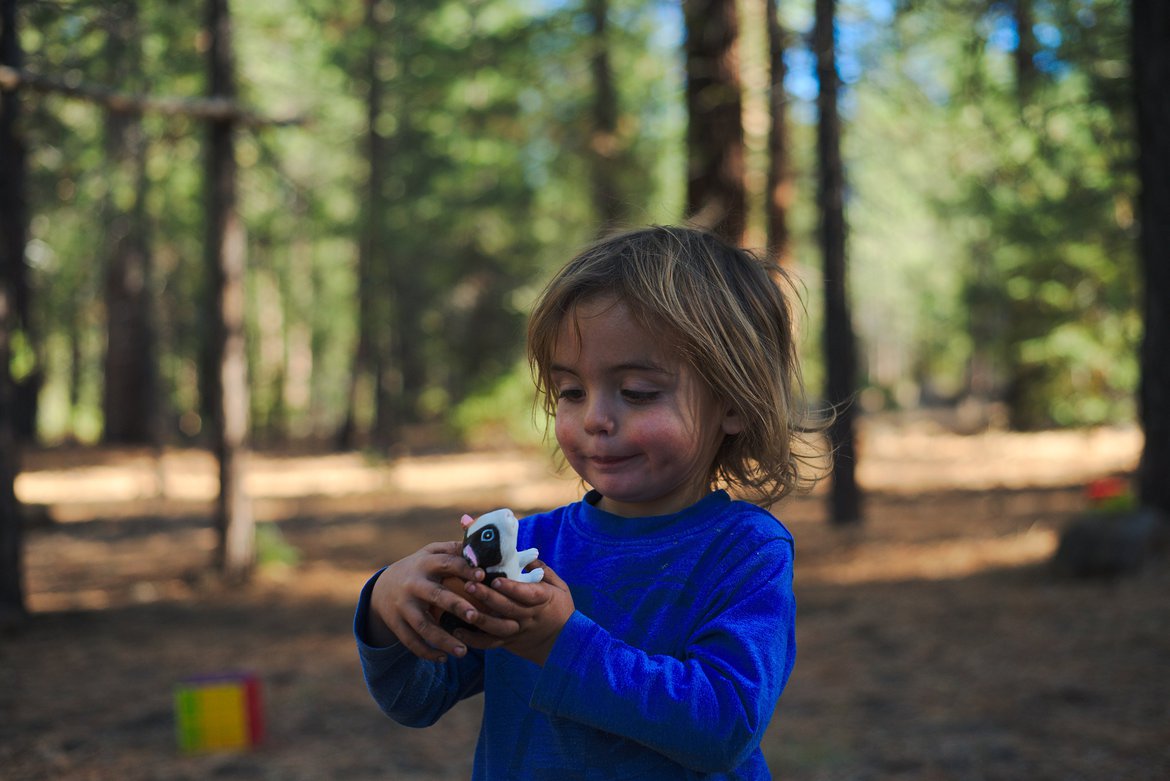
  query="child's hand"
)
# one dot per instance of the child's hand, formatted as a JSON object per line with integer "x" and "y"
{"x": 536, "y": 612}
{"x": 400, "y": 604}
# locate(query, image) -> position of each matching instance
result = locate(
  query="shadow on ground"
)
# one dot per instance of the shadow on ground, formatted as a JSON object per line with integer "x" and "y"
{"x": 934, "y": 643}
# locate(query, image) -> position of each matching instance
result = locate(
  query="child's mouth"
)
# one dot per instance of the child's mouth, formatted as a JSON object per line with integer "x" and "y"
{"x": 609, "y": 460}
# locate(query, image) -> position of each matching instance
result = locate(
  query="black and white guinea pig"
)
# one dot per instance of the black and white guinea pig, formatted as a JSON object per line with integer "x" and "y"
{"x": 489, "y": 541}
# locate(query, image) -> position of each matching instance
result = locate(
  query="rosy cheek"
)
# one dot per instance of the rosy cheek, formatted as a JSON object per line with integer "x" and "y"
{"x": 563, "y": 430}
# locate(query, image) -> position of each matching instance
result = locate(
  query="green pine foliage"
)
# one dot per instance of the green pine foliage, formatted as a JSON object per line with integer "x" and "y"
{"x": 991, "y": 234}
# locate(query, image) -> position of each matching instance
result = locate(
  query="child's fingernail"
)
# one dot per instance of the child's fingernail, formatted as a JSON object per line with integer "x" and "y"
{"x": 469, "y": 615}
{"x": 460, "y": 650}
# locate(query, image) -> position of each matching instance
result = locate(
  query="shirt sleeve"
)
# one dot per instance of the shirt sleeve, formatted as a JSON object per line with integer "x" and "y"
{"x": 412, "y": 691}
{"x": 706, "y": 709}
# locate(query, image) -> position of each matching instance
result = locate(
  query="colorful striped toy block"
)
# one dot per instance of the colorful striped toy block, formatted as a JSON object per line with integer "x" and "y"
{"x": 220, "y": 712}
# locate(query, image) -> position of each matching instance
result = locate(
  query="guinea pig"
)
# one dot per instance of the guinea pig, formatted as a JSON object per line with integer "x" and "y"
{"x": 489, "y": 542}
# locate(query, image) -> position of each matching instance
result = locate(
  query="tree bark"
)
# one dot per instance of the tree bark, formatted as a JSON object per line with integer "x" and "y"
{"x": 1151, "y": 64}
{"x": 385, "y": 359}
{"x": 226, "y": 251}
{"x": 13, "y": 207}
{"x": 12, "y": 607}
{"x": 129, "y": 399}
{"x": 363, "y": 367}
{"x": 1026, "y": 47}
{"x": 780, "y": 186}
{"x": 840, "y": 350}
{"x": 716, "y": 197}
{"x": 603, "y": 137}
{"x": 400, "y": 286}
{"x": 13, "y": 231}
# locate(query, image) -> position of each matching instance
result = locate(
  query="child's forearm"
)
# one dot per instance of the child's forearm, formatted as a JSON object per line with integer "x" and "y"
{"x": 410, "y": 690}
{"x": 692, "y": 711}
{"x": 702, "y": 702}
{"x": 698, "y": 712}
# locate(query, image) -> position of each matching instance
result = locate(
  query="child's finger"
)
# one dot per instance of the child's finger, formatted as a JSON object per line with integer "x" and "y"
{"x": 494, "y": 626}
{"x": 449, "y": 561}
{"x": 528, "y": 594}
{"x": 443, "y": 546}
{"x": 550, "y": 575}
{"x": 479, "y": 640}
{"x": 496, "y": 600}
{"x": 408, "y": 634}
{"x": 431, "y": 641}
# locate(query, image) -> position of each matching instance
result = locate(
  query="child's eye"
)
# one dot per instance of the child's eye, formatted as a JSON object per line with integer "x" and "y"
{"x": 638, "y": 396}
{"x": 570, "y": 394}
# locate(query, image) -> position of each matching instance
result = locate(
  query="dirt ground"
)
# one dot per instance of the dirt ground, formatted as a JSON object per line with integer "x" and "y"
{"x": 935, "y": 642}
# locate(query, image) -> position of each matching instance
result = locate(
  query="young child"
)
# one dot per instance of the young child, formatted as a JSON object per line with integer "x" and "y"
{"x": 662, "y": 634}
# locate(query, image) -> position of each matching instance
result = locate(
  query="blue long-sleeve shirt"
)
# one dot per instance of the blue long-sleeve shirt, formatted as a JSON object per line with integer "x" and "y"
{"x": 670, "y": 667}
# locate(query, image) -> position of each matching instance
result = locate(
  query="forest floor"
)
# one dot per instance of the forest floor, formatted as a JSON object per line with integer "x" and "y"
{"x": 935, "y": 641}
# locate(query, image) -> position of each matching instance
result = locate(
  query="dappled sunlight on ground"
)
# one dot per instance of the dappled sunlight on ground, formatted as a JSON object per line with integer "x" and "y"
{"x": 934, "y": 641}
{"x": 878, "y": 561}
{"x": 893, "y": 460}
{"x": 139, "y": 482}
{"x": 916, "y": 459}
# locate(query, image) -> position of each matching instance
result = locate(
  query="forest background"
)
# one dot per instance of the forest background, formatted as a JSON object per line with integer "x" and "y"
{"x": 409, "y": 175}
{"x": 991, "y": 208}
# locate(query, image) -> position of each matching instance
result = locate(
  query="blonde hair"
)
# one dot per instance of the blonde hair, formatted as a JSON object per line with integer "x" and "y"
{"x": 723, "y": 310}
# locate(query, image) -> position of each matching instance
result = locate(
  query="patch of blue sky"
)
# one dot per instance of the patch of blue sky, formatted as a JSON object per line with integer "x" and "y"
{"x": 1003, "y": 34}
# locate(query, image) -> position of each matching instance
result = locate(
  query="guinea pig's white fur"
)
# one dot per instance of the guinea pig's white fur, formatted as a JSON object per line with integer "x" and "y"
{"x": 514, "y": 561}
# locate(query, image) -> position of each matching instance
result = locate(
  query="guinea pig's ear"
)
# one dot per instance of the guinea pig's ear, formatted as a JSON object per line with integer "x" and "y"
{"x": 466, "y": 521}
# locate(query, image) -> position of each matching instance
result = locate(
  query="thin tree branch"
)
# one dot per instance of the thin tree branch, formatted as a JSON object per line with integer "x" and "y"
{"x": 215, "y": 109}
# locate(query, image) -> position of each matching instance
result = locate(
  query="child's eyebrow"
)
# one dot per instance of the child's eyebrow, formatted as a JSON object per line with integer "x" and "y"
{"x": 631, "y": 366}
{"x": 648, "y": 366}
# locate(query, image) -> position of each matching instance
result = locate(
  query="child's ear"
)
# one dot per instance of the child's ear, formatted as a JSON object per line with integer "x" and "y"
{"x": 732, "y": 423}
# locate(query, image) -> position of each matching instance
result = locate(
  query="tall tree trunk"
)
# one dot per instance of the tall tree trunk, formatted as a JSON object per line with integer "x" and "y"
{"x": 603, "y": 136}
{"x": 716, "y": 196}
{"x": 1026, "y": 47}
{"x": 130, "y": 388}
{"x": 987, "y": 314}
{"x": 840, "y": 350}
{"x": 13, "y": 230}
{"x": 25, "y": 390}
{"x": 364, "y": 368}
{"x": 780, "y": 186}
{"x": 225, "y": 263}
{"x": 1151, "y": 63}
{"x": 387, "y": 359}
{"x": 14, "y": 215}
{"x": 12, "y": 608}
{"x": 401, "y": 288}
{"x": 404, "y": 372}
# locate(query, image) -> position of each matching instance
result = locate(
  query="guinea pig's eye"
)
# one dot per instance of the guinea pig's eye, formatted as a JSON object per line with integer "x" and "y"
{"x": 488, "y": 535}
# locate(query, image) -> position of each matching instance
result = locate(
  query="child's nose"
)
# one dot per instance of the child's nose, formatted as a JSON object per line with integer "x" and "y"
{"x": 598, "y": 416}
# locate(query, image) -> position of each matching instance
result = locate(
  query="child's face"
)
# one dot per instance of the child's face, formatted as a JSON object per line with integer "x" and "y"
{"x": 633, "y": 420}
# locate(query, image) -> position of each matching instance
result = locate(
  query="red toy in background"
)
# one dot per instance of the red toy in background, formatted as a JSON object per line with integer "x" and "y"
{"x": 1109, "y": 493}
